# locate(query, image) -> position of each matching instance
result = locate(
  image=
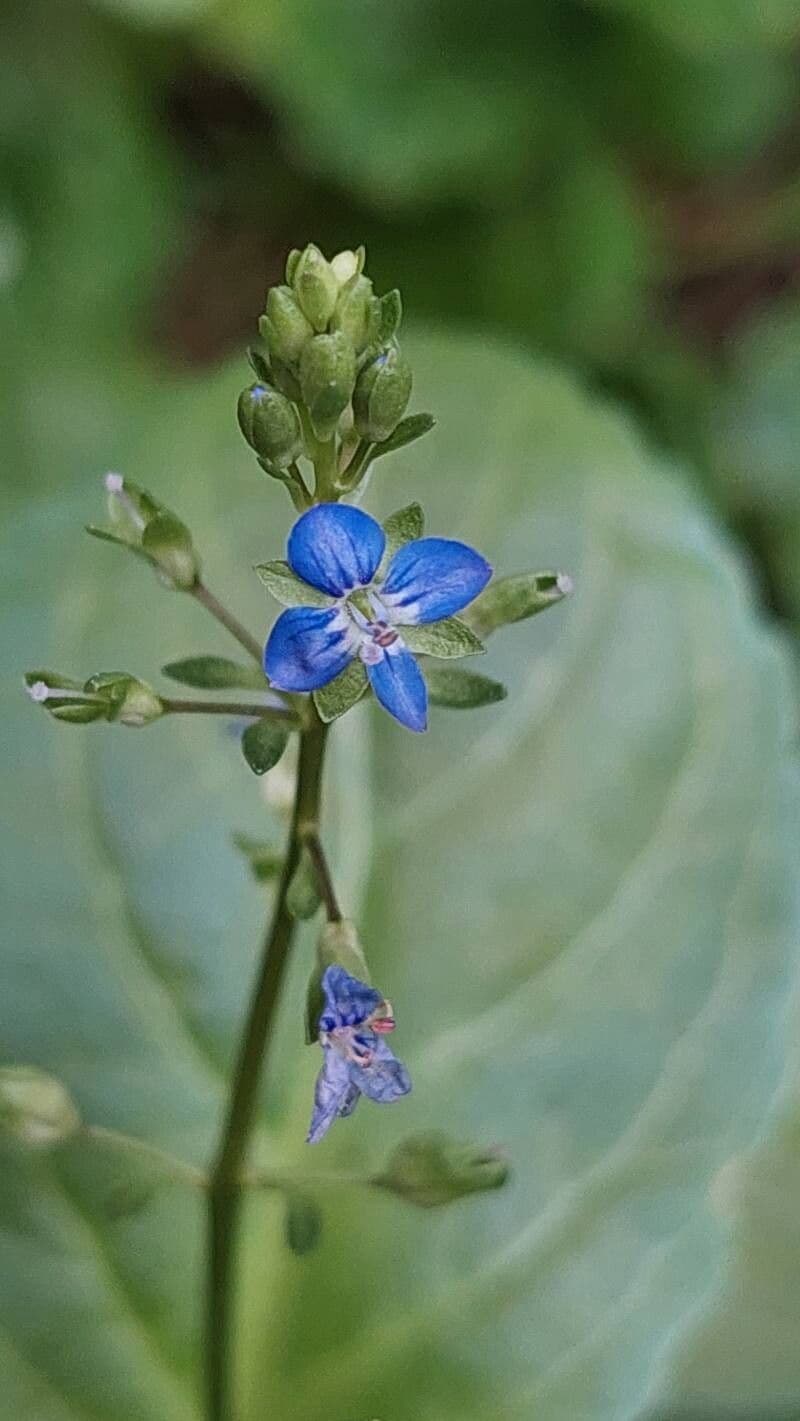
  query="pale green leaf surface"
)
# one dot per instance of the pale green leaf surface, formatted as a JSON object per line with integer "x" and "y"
{"x": 580, "y": 903}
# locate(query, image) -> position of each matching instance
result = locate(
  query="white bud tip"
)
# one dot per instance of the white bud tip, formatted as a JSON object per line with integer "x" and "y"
{"x": 39, "y": 691}
{"x": 114, "y": 483}
{"x": 345, "y": 265}
{"x": 564, "y": 584}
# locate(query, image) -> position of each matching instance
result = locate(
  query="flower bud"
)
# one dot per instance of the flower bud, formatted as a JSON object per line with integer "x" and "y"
{"x": 347, "y": 265}
{"x": 354, "y": 312}
{"x": 431, "y": 1169}
{"x": 382, "y": 392}
{"x": 338, "y": 945}
{"x": 128, "y": 700}
{"x": 284, "y": 327}
{"x": 327, "y": 377}
{"x": 270, "y": 424}
{"x": 316, "y": 287}
{"x": 36, "y": 1107}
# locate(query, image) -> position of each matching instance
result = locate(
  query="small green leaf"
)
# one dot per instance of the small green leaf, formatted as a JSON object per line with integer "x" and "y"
{"x": 289, "y": 589}
{"x": 411, "y": 428}
{"x": 302, "y": 895}
{"x": 342, "y": 693}
{"x": 391, "y": 315}
{"x": 461, "y": 690}
{"x": 214, "y": 673}
{"x": 263, "y": 743}
{"x": 447, "y": 639}
{"x": 265, "y": 863}
{"x": 302, "y": 1225}
{"x": 109, "y": 536}
{"x": 430, "y": 1169}
{"x": 512, "y": 599}
{"x": 402, "y": 527}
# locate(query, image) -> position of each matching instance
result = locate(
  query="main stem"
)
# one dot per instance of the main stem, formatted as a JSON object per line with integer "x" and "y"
{"x": 224, "y": 1198}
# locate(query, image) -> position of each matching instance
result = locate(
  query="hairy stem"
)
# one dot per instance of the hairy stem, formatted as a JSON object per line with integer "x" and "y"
{"x": 230, "y": 708}
{"x": 224, "y": 1199}
{"x": 232, "y": 624}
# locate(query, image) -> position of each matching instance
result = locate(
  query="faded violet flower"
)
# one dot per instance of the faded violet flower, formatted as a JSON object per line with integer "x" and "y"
{"x": 352, "y": 1025}
{"x": 337, "y": 550}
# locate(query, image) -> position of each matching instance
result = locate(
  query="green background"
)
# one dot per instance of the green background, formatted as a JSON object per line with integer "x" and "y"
{"x": 583, "y": 903}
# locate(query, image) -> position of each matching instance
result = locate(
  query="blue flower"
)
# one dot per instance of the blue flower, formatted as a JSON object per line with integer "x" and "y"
{"x": 358, "y": 1061}
{"x": 337, "y": 550}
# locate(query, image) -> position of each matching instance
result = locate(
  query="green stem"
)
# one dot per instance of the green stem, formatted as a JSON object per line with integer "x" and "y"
{"x": 232, "y": 624}
{"x": 129, "y": 1144}
{"x": 224, "y": 1198}
{"x": 313, "y": 844}
{"x": 231, "y": 708}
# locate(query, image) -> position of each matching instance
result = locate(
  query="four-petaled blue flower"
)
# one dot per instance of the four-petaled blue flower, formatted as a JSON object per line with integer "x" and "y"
{"x": 358, "y": 1061}
{"x": 338, "y": 549}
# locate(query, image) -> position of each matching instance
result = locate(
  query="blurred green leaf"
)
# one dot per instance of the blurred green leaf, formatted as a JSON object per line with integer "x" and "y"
{"x": 584, "y": 911}
{"x": 263, "y": 743}
{"x": 214, "y": 673}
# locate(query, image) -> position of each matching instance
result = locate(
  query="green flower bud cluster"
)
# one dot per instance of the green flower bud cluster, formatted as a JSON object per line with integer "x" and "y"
{"x": 332, "y": 375}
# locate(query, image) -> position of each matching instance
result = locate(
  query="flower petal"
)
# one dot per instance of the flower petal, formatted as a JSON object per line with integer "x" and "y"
{"x": 307, "y": 647}
{"x": 431, "y": 578}
{"x": 399, "y": 685}
{"x": 350, "y": 1101}
{"x": 336, "y": 548}
{"x": 348, "y": 1002}
{"x": 332, "y": 1093}
{"x": 385, "y": 1078}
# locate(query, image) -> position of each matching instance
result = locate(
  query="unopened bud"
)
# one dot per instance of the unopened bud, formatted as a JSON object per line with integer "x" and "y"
{"x": 348, "y": 264}
{"x": 382, "y": 392}
{"x": 431, "y": 1169}
{"x": 327, "y": 377}
{"x": 270, "y": 424}
{"x": 36, "y": 1107}
{"x": 128, "y": 700}
{"x": 316, "y": 287}
{"x": 284, "y": 327}
{"x": 354, "y": 313}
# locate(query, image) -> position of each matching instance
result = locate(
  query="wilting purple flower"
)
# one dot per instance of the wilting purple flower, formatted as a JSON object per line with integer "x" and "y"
{"x": 337, "y": 550}
{"x": 358, "y": 1061}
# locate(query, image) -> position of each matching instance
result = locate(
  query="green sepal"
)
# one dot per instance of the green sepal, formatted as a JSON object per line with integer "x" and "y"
{"x": 447, "y": 639}
{"x": 302, "y": 895}
{"x": 289, "y": 589}
{"x": 291, "y": 264}
{"x": 215, "y": 673}
{"x": 512, "y": 599}
{"x": 430, "y": 1169}
{"x": 338, "y": 944}
{"x": 265, "y": 864}
{"x": 391, "y": 315}
{"x": 36, "y": 1107}
{"x": 342, "y": 693}
{"x": 69, "y": 710}
{"x": 353, "y": 312}
{"x": 402, "y": 527}
{"x": 414, "y": 426}
{"x": 168, "y": 544}
{"x": 382, "y": 392}
{"x": 302, "y": 1226}
{"x": 107, "y": 535}
{"x": 462, "y": 690}
{"x": 263, "y": 743}
{"x": 258, "y": 364}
